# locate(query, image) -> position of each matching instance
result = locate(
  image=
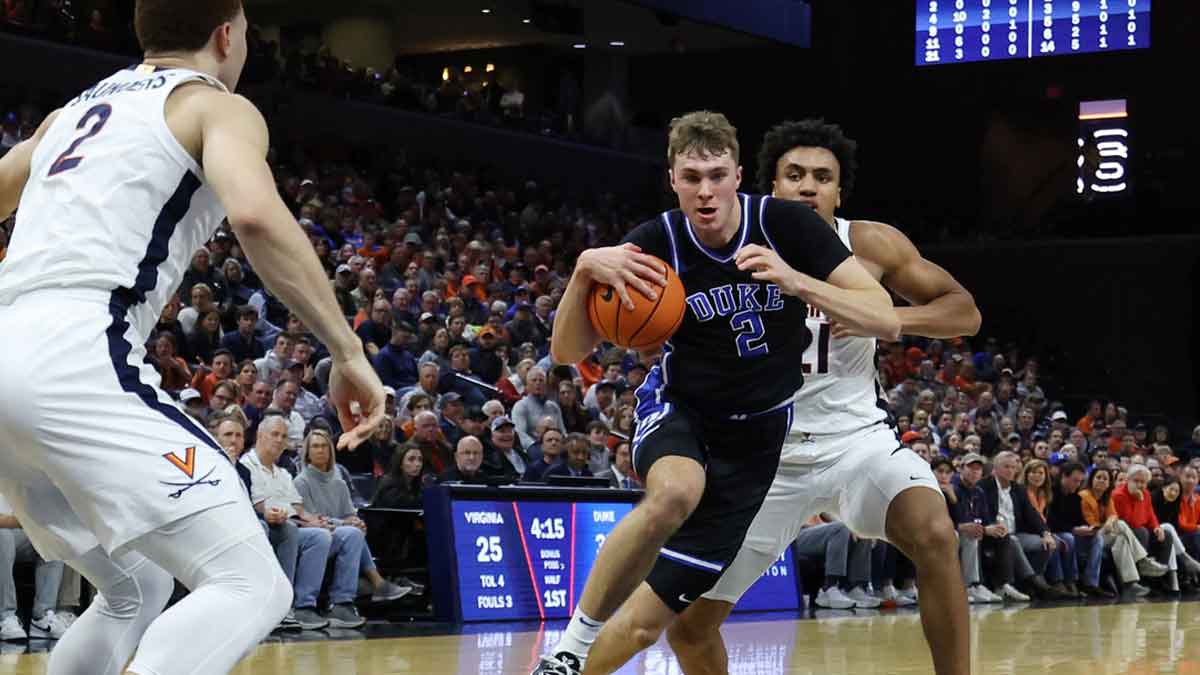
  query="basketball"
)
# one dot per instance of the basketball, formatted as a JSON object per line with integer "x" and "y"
{"x": 649, "y": 324}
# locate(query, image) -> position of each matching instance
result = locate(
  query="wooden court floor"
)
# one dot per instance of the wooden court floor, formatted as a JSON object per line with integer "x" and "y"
{"x": 1093, "y": 640}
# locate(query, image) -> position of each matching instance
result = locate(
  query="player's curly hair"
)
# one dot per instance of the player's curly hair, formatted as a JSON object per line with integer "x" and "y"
{"x": 810, "y": 133}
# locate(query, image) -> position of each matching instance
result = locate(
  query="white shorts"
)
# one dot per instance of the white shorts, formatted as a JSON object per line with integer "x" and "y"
{"x": 92, "y": 451}
{"x": 867, "y": 470}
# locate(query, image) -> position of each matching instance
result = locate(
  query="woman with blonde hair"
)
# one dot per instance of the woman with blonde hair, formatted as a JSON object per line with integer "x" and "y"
{"x": 1062, "y": 570}
{"x": 327, "y": 496}
{"x": 1036, "y": 479}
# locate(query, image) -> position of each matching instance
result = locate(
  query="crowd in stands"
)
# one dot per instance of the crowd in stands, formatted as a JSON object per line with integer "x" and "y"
{"x": 478, "y": 95}
{"x": 451, "y": 282}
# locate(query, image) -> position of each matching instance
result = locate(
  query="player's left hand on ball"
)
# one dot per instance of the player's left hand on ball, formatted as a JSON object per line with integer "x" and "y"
{"x": 766, "y": 265}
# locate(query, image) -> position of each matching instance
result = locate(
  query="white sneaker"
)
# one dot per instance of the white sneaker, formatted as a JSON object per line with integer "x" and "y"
{"x": 834, "y": 598}
{"x": 49, "y": 626}
{"x": 899, "y": 598}
{"x": 1150, "y": 568}
{"x": 10, "y": 628}
{"x": 862, "y": 599}
{"x": 981, "y": 594}
{"x": 1007, "y": 592}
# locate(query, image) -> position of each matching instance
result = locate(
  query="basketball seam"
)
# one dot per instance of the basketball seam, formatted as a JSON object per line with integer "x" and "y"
{"x": 667, "y": 278}
{"x": 594, "y": 315}
{"x": 675, "y": 327}
{"x": 616, "y": 336}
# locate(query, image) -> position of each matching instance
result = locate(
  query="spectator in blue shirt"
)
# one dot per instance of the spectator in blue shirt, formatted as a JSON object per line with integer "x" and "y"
{"x": 396, "y": 365}
{"x": 576, "y": 461}
{"x": 376, "y": 331}
{"x": 969, "y": 510}
{"x": 459, "y": 378}
{"x": 551, "y": 448}
{"x": 242, "y": 343}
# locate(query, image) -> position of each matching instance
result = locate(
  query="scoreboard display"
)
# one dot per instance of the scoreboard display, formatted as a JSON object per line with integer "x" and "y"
{"x": 529, "y": 559}
{"x": 960, "y": 31}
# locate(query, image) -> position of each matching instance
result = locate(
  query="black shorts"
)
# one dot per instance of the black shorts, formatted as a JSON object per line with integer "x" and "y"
{"x": 740, "y": 458}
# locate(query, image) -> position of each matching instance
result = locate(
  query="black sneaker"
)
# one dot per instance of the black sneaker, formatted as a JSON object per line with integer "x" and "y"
{"x": 562, "y": 663}
{"x": 309, "y": 619}
{"x": 345, "y": 615}
{"x": 289, "y": 622}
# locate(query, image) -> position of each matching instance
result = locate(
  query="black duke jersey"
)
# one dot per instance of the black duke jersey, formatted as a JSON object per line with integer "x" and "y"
{"x": 740, "y": 348}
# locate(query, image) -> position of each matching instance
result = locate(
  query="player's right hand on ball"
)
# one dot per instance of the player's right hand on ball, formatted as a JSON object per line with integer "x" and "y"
{"x": 350, "y": 380}
{"x": 623, "y": 266}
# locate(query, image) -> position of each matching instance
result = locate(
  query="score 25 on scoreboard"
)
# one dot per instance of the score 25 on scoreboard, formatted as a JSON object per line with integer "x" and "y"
{"x": 959, "y": 31}
{"x": 530, "y": 559}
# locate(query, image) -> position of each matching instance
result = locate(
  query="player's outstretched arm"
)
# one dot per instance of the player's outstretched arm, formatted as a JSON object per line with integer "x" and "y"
{"x": 234, "y": 155}
{"x": 573, "y": 337}
{"x": 851, "y": 296}
{"x": 14, "y": 169}
{"x": 941, "y": 307}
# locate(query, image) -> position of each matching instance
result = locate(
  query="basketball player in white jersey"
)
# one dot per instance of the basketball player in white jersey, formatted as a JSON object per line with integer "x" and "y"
{"x": 116, "y": 191}
{"x": 842, "y": 456}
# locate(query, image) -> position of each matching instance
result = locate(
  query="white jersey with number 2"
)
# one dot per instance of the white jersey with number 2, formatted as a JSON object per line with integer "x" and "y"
{"x": 113, "y": 198}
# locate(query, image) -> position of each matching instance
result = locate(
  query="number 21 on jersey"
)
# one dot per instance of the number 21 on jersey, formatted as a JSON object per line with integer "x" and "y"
{"x": 816, "y": 356}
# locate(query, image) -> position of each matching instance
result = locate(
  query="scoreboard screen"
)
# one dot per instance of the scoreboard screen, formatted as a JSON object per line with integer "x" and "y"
{"x": 959, "y": 31}
{"x": 530, "y": 559}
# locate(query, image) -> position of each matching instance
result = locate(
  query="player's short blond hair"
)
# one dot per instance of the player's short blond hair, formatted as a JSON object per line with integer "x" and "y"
{"x": 706, "y": 132}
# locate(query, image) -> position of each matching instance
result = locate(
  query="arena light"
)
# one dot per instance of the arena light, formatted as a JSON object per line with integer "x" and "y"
{"x": 446, "y": 74}
{"x": 489, "y": 68}
{"x": 485, "y": 10}
{"x": 616, "y": 43}
{"x": 580, "y": 45}
{"x": 468, "y": 70}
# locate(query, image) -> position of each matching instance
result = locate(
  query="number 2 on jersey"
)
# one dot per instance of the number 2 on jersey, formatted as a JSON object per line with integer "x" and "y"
{"x": 750, "y": 334}
{"x": 67, "y": 161}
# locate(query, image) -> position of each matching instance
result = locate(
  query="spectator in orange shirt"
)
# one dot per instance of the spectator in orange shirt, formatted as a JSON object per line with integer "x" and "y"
{"x": 1128, "y": 555}
{"x": 205, "y": 380}
{"x": 173, "y": 369}
{"x": 1134, "y": 506}
{"x": 1085, "y": 423}
{"x": 950, "y": 368}
{"x": 896, "y": 367}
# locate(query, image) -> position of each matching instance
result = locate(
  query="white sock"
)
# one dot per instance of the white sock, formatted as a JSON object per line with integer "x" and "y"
{"x": 580, "y": 635}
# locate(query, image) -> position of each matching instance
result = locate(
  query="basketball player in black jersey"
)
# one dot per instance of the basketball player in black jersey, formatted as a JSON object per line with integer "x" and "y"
{"x": 713, "y": 415}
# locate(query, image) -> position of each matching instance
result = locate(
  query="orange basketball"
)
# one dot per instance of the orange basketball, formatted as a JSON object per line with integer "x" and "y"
{"x": 649, "y": 325}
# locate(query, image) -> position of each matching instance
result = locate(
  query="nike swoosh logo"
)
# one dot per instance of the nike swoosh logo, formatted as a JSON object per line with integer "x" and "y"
{"x": 914, "y": 478}
{"x": 684, "y": 599}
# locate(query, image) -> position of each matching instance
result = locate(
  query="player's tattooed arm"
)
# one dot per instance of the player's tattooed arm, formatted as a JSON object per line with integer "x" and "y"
{"x": 14, "y": 168}
{"x": 940, "y": 306}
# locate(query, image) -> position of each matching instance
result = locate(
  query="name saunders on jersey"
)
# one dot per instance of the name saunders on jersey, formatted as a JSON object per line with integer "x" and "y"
{"x": 111, "y": 88}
